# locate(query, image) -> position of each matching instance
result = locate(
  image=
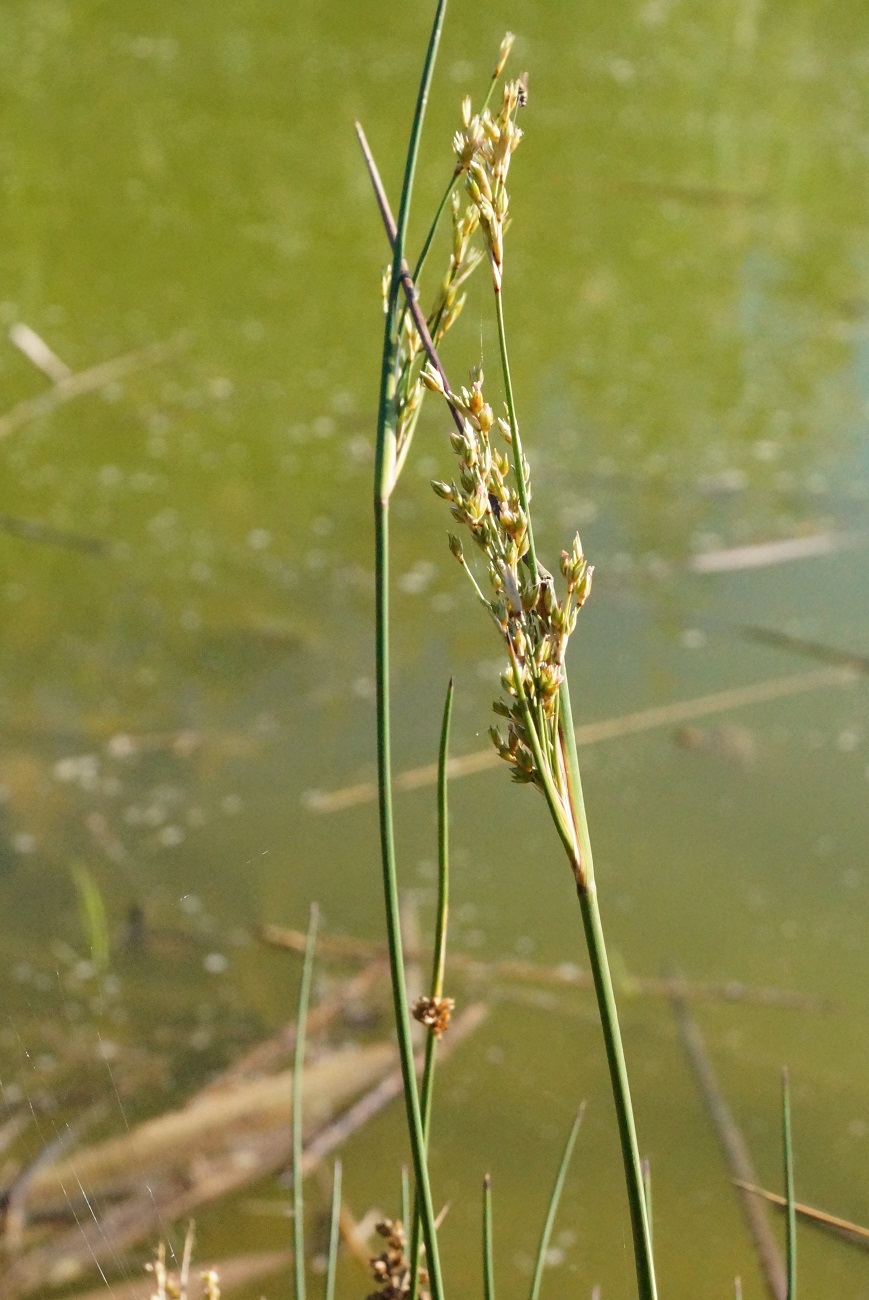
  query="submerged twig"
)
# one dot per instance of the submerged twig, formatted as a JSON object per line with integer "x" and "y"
{"x": 853, "y": 1232}
{"x": 564, "y": 976}
{"x": 81, "y": 382}
{"x": 735, "y": 1152}
{"x": 592, "y": 733}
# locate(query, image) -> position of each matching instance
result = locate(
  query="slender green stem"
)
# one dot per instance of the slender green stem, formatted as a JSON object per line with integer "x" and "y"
{"x": 588, "y": 901}
{"x": 445, "y": 198}
{"x": 443, "y": 907}
{"x": 558, "y": 1187}
{"x": 334, "y": 1232}
{"x": 384, "y": 483}
{"x": 439, "y": 958}
{"x": 488, "y": 1250}
{"x": 298, "y": 1069}
{"x": 615, "y": 1054}
{"x": 518, "y": 459}
{"x": 405, "y": 1196}
{"x": 789, "y": 1186}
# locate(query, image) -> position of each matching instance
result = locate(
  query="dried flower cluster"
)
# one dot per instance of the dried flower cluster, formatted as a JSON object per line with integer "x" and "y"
{"x": 483, "y": 149}
{"x": 434, "y": 1013}
{"x": 391, "y": 1269}
{"x": 535, "y": 625}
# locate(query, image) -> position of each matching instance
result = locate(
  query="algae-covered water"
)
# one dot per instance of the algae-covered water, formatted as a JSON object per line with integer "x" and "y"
{"x": 186, "y": 585}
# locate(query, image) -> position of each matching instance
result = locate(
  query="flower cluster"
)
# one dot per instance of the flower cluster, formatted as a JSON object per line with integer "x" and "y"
{"x": 391, "y": 1269}
{"x": 434, "y": 1013}
{"x": 448, "y": 304}
{"x": 535, "y": 625}
{"x": 483, "y": 149}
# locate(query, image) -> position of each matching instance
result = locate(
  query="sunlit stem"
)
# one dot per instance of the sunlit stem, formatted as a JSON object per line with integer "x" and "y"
{"x": 384, "y": 484}
{"x": 439, "y": 959}
{"x": 488, "y": 1250}
{"x": 603, "y": 986}
{"x": 789, "y": 1187}
{"x": 552, "y": 1210}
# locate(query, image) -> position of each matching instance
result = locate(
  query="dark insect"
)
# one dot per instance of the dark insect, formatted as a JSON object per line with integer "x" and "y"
{"x": 522, "y": 90}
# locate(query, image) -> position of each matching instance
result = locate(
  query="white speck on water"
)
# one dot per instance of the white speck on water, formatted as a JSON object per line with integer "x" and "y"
{"x": 122, "y": 746}
{"x": 23, "y": 842}
{"x": 170, "y": 837}
{"x": 215, "y": 963}
{"x": 191, "y": 904}
{"x": 693, "y": 638}
{"x": 259, "y": 539}
{"x": 231, "y": 804}
{"x": 415, "y": 580}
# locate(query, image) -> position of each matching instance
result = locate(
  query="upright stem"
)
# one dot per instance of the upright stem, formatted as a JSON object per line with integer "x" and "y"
{"x": 789, "y": 1187}
{"x": 384, "y": 483}
{"x": 603, "y": 986}
{"x": 438, "y": 961}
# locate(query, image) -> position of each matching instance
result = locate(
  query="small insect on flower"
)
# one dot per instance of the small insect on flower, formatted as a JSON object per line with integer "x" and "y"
{"x": 522, "y": 90}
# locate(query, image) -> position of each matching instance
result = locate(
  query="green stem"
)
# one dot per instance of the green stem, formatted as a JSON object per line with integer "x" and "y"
{"x": 558, "y": 1188}
{"x": 518, "y": 460}
{"x": 789, "y": 1187}
{"x": 298, "y": 1070}
{"x": 439, "y": 959}
{"x": 384, "y": 483}
{"x": 445, "y": 198}
{"x": 603, "y": 986}
{"x": 488, "y": 1250}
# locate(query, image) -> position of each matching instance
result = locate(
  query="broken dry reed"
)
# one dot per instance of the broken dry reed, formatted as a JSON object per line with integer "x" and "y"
{"x": 735, "y": 1152}
{"x": 853, "y": 1232}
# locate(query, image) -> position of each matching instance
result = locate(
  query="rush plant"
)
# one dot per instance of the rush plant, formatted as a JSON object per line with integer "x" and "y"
{"x": 489, "y": 498}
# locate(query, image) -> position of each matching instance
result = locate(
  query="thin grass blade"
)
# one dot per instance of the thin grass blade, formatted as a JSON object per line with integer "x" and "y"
{"x": 438, "y": 961}
{"x": 546, "y": 1234}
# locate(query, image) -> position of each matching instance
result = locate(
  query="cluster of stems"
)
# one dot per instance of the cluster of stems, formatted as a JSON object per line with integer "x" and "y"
{"x": 490, "y": 497}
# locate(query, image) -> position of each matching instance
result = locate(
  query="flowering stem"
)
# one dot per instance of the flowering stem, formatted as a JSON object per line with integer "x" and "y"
{"x": 383, "y": 487}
